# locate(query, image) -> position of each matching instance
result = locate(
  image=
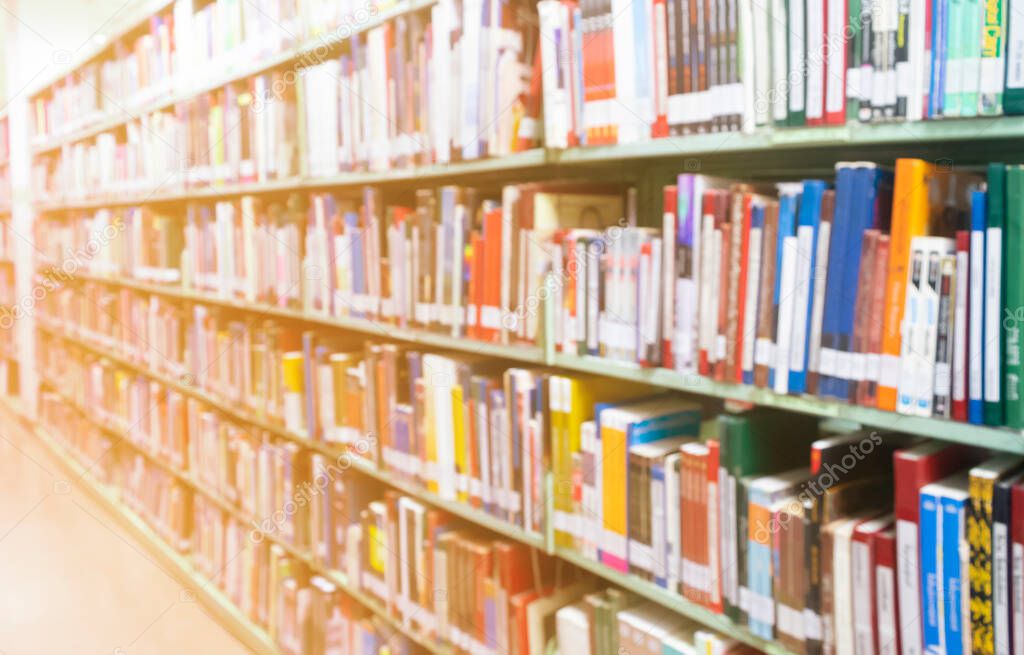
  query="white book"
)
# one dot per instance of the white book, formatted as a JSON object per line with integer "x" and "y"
{"x": 748, "y": 66}
{"x": 842, "y": 587}
{"x": 673, "y": 546}
{"x": 795, "y": 28}
{"x": 761, "y": 56}
{"x": 805, "y": 235}
{"x": 780, "y": 81}
{"x": 708, "y": 315}
{"x": 787, "y": 303}
{"x": 814, "y": 357}
{"x": 993, "y": 317}
{"x": 815, "y": 61}
{"x": 976, "y": 314}
{"x": 441, "y": 78}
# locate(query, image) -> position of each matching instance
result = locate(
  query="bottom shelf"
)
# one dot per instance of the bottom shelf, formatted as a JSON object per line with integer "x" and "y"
{"x": 255, "y": 638}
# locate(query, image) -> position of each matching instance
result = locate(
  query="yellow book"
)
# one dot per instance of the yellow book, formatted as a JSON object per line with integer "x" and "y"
{"x": 216, "y": 135}
{"x": 909, "y": 220}
{"x": 292, "y": 365}
{"x": 571, "y": 403}
{"x": 461, "y": 454}
{"x": 621, "y": 427}
{"x": 429, "y": 439}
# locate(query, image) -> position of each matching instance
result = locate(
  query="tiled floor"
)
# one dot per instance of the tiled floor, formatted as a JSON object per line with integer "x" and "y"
{"x": 71, "y": 582}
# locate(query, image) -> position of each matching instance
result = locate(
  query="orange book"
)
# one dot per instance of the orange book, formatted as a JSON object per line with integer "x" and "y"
{"x": 909, "y": 219}
{"x": 490, "y": 312}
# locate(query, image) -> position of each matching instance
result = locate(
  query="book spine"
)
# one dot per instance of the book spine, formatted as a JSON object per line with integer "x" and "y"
{"x": 960, "y": 286}
{"x": 994, "y": 72}
{"x": 994, "y": 295}
{"x": 957, "y": 624}
{"x": 976, "y": 312}
{"x": 1013, "y": 314}
{"x": 931, "y": 573}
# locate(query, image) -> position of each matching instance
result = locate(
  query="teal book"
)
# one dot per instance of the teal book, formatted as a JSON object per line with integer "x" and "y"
{"x": 1013, "y": 94}
{"x": 995, "y": 300}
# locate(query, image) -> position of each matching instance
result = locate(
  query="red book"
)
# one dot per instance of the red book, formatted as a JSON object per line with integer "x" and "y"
{"x": 735, "y": 373}
{"x": 519, "y": 634}
{"x": 875, "y": 320}
{"x": 961, "y": 324}
{"x": 714, "y": 602}
{"x": 865, "y": 612}
{"x": 693, "y": 520}
{"x": 887, "y": 628}
{"x": 490, "y": 270}
{"x": 835, "y": 68}
{"x": 722, "y": 328}
{"x": 913, "y": 468}
{"x": 659, "y": 30}
{"x": 669, "y": 229}
{"x": 862, "y": 308}
{"x": 1017, "y": 561}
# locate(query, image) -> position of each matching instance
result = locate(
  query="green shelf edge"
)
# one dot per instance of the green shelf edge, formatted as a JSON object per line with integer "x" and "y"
{"x": 675, "y": 602}
{"x": 998, "y": 438}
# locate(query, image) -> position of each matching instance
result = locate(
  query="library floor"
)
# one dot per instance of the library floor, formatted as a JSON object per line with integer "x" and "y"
{"x": 72, "y": 582}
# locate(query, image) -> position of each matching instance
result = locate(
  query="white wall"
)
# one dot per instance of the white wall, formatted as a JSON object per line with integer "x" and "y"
{"x": 39, "y": 38}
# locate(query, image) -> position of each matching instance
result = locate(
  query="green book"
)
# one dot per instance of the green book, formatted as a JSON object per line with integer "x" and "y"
{"x": 1013, "y": 94}
{"x": 954, "y": 59}
{"x": 853, "y": 60}
{"x": 971, "y": 35}
{"x": 755, "y": 442}
{"x": 1013, "y": 315}
{"x": 995, "y": 298}
{"x": 797, "y": 57}
{"x": 993, "y": 48}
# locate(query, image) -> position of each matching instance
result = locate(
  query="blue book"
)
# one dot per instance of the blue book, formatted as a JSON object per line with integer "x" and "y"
{"x": 355, "y": 244}
{"x": 939, "y": 557}
{"x": 834, "y": 295}
{"x": 762, "y": 493}
{"x": 931, "y": 569}
{"x": 937, "y": 83}
{"x": 871, "y": 183}
{"x": 976, "y": 310}
{"x": 756, "y": 223}
{"x": 955, "y": 586}
{"x": 807, "y": 240}
{"x": 789, "y": 203}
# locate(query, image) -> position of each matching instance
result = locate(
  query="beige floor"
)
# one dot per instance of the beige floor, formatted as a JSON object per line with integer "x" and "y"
{"x": 71, "y": 582}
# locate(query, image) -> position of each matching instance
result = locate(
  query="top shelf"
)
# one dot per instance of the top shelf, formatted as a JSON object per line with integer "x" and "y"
{"x": 193, "y": 83}
{"x": 130, "y": 16}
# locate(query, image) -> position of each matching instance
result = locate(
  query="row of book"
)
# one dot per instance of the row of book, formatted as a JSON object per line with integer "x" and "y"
{"x": 619, "y": 73}
{"x": 452, "y": 259}
{"x": 244, "y": 132}
{"x": 402, "y": 94}
{"x": 304, "y": 612}
{"x": 888, "y": 290}
{"x": 464, "y": 428}
{"x": 185, "y": 45}
{"x": 760, "y": 515}
{"x": 452, "y": 83}
{"x": 441, "y": 579}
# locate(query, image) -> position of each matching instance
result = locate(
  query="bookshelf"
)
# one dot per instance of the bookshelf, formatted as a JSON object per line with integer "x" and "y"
{"x": 997, "y": 438}
{"x": 779, "y": 151}
{"x": 214, "y": 600}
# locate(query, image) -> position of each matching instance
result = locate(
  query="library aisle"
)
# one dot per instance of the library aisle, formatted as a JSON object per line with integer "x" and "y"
{"x": 71, "y": 581}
